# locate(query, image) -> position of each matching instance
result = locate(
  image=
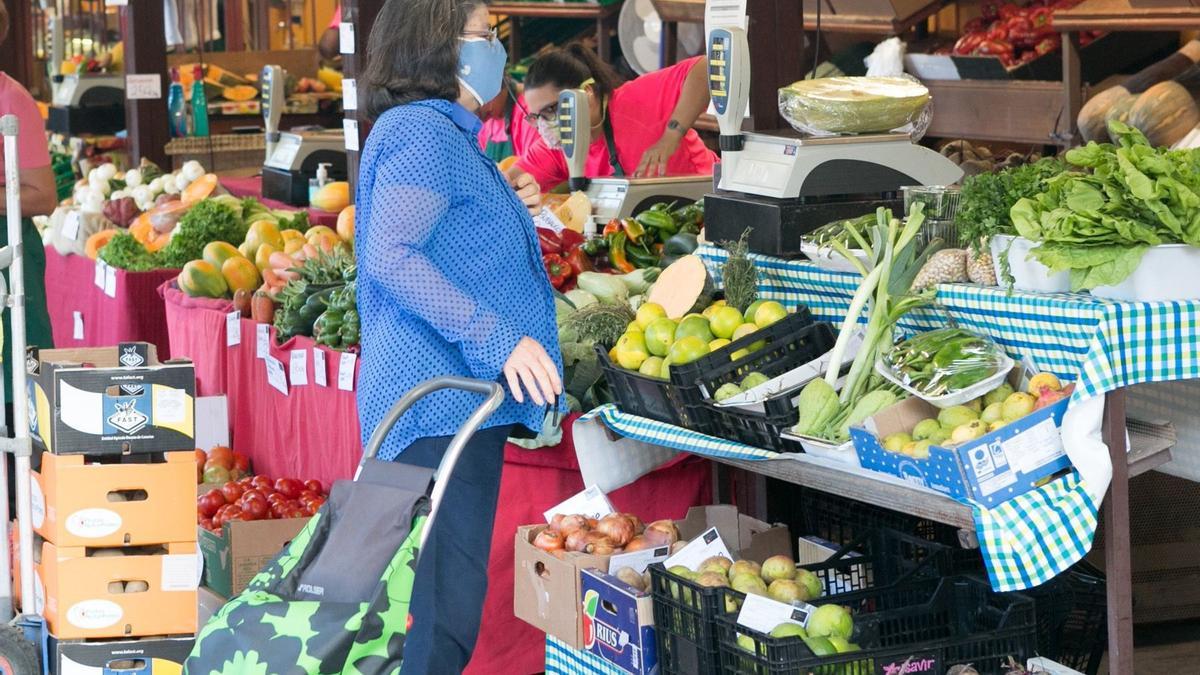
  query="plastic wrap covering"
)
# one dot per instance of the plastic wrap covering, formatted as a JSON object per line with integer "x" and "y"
{"x": 944, "y": 361}
{"x": 856, "y": 105}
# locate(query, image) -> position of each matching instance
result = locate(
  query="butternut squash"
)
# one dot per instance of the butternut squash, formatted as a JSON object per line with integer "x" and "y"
{"x": 1093, "y": 116}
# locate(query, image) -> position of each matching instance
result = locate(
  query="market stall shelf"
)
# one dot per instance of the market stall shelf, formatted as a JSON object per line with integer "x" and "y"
{"x": 93, "y": 307}
{"x": 603, "y": 12}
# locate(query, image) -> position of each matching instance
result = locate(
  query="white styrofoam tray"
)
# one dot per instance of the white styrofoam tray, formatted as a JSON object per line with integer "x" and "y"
{"x": 959, "y": 397}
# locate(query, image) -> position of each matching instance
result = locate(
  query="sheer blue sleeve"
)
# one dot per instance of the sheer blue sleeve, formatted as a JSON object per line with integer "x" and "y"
{"x": 410, "y": 196}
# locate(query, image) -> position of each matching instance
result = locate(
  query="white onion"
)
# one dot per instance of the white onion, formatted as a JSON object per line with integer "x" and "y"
{"x": 133, "y": 178}
{"x": 182, "y": 181}
{"x": 192, "y": 170}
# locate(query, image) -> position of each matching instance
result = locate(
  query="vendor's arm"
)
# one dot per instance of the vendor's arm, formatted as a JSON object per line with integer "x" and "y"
{"x": 409, "y": 200}
{"x": 38, "y": 193}
{"x": 693, "y": 101}
{"x": 547, "y": 165}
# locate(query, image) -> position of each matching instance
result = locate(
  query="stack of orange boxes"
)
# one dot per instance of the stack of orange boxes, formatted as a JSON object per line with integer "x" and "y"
{"x": 116, "y": 519}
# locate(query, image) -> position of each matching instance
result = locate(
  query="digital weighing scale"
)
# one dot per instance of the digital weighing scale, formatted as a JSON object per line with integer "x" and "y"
{"x": 614, "y": 197}
{"x": 87, "y": 103}
{"x": 293, "y": 157}
{"x": 784, "y": 185}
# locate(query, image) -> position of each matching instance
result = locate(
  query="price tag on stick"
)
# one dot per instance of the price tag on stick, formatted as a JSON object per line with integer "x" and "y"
{"x": 298, "y": 367}
{"x": 345, "y": 380}
{"x": 320, "y": 375}
{"x": 262, "y": 341}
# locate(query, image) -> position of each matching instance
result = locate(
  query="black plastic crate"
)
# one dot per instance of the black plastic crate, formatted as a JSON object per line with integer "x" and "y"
{"x": 763, "y": 429}
{"x": 1072, "y": 617}
{"x": 644, "y": 396}
{"x": 948, "y": 621}
{"x": 685, "y": 612}
{"x": 841, "y": 520}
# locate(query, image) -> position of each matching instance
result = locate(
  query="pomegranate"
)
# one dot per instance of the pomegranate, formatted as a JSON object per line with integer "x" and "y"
{"x": 548, "y": 540}
{"x": 617, "y": 527}
{"x": 662, "y": 532}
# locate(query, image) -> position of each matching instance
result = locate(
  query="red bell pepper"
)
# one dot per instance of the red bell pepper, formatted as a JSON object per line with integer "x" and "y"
{"x": 1042, "y": 18}
{"x": 579, "y": 261}
{"x": 549, "y": 241}
{"x": 612, "y": 227}
{"x": 558, "y": 269}
{"x": 997, "y": 33}
{"x": 967, "y": 43}
{"x": 991, "y": 10}
{"x": 1008, "y": 10}
{"x": 995, "y": 48}
{"x": 976, "y": 25}
{"x": 1046, "y": 45}
{"x": 571, "y": 240}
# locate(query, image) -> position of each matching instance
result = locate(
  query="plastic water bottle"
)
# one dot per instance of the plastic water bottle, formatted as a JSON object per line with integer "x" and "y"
{"x": 199, "y": 104}
{"x": 176, "y": 111}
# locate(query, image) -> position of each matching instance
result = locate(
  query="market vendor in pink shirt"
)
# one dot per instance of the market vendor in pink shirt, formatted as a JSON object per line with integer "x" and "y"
{"x": 639, "y": 128}
{"x": 505, "y": 133}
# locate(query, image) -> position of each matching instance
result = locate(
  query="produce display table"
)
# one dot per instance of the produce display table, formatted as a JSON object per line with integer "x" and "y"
{"x": 130, "y": 312}
{"x": 251, "y": 186}
{"x": 1103, "y": 346}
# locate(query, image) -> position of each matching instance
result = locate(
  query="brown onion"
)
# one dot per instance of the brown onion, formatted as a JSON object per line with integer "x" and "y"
{"x": 556, "y": 522}
{"x": 678, "y": 546}
{"x": 617, "y": 527}
{"x": 663, "y": 531}
{"x": 598, "y": 544}
{"x": 548, "y": 540}
{"x": 571, "y": 524}
{"x": 638, "y": 526}
{"x": 577, "y": 540}
{"x": 638, "y": 543}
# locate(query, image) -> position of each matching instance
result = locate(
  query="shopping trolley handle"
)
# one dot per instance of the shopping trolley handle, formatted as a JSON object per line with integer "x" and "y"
{"x": 492, "y": 390}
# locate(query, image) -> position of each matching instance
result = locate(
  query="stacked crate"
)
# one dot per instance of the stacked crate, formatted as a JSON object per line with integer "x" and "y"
{"x": 113, "y": 498}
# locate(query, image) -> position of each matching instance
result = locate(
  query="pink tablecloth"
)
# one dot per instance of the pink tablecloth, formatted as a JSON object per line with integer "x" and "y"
{"x": 252, "y": 187}
{"x": 134, "y": 313}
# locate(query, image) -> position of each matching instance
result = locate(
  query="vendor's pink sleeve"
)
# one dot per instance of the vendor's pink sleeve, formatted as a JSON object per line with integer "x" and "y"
{"x": 337, "y": 17}
{"x": 31, "y": 138}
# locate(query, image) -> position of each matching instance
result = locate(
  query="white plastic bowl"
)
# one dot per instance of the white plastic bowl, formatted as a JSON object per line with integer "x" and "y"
{"x": 1167, "y": 272}
{"x": 1028, "y": 273}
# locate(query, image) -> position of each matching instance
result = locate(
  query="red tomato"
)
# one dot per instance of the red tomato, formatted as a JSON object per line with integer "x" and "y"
{"x": 279, "y": 509}
{"x": 314, "y": 485}
{"x": 253, "y": 494}
{"x": 261, "y": 482}
{"x": 206, "y": 523}
{"x": 241, "y": 461}
{"x": 298, "y": 513}
{"x": 234, "y": 513}
{"x": 290, "y": 487}
{"x": 316, "y": 504}
{"x": 307, "y": 494}
{"x": 232, "y": 492}
{"x": 221, "y": 455}
{"x": 210, "y": 502}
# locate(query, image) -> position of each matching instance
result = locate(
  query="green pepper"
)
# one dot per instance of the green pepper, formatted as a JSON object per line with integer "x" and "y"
{"x": 641, "y": 256}
{"x": 327, "y": 324}
{"x": 595, "y": 246}
{"x": 660, "y": 221}
{"x": 617, "y": 253}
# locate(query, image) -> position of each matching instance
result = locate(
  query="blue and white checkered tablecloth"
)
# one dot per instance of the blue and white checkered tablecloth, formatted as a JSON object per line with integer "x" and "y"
{"x": 1100, "y": 345}
{"x": 562, "y": 659}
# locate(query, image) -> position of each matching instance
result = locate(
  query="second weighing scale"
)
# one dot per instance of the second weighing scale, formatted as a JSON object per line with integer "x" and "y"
{"x": 87, "y": 103}
{"x": 784, "y": 185}
{"x": 293, "y": 157}
{"x": 615, "y": 197}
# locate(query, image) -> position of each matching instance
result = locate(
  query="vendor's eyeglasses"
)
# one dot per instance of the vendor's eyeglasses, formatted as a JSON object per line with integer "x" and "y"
{"x": 490, "y": 34}
{"x": 548, "y": 114}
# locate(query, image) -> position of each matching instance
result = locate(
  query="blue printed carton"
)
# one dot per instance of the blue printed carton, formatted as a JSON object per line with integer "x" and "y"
{"x": 618, "y": 623}
{"x": 989, "y": 470}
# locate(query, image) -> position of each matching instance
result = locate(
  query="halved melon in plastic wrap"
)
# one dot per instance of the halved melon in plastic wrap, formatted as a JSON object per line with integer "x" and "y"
{"x": 854, "y": 105}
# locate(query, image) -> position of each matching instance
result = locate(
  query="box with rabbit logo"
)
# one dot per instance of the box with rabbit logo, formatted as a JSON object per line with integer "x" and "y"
{"x": 110, "y": 400}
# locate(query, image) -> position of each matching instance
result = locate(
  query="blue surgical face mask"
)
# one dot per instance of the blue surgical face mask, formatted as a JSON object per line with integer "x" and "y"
{"x": 481, "y": 67}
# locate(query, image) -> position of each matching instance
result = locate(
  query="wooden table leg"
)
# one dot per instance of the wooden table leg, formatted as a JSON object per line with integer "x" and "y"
{"x": 1118, "y": 569}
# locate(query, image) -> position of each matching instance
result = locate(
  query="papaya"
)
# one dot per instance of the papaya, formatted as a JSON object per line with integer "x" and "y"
{"x": 217, "y": 252}
{"x": 240, "y": 274}
{"x": 292, "y": 235}
{"x": 264, "y": 232}
{"x": 333, "y": 197}
{"x": 242, "y": 92}
{"x": 345, "y": 224}
{"x": 290, "y": 246}
{"x": 199, "y": 279}
{"x": 262, "y": 258}
{"x": 97, "y": 241}
{"x": 200, "y": 188}
{"x": 248, "y": 250}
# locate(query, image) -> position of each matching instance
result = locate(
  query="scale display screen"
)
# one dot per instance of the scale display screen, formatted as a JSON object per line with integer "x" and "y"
{"x": 718, "y": 68}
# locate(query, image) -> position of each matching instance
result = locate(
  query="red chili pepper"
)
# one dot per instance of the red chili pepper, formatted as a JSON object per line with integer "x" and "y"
{"x": 997, "y": 32}
{"x": 1045, "y": 46}
{"x": 549, "y": 240}
{"x": 579, "y": 261}
{"x": 571, "y": 240}
{"x": 558, "y": 269}
{"x": 995, "y": 48}
{"x": 967, "y": 43}
{"x": 613, "y": 226}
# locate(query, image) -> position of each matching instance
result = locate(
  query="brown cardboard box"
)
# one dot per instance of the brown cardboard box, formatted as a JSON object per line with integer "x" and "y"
{"x": 233, "y": 557}
{"x": 546, "y": 588}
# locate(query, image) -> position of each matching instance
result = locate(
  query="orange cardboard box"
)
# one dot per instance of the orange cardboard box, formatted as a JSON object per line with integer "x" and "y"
{"x": 77, "y": 593}
{"x": 81, "y": 504}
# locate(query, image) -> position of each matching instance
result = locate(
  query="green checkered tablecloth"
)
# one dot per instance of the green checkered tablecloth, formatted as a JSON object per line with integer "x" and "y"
{"x": 1100, "y": 345}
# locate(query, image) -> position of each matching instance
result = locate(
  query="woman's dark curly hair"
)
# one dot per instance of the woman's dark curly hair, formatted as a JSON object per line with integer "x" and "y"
{"x": 412, "y": 53}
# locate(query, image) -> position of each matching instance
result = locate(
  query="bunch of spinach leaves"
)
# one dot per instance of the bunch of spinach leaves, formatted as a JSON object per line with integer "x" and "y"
{"x": 1098, "y": 221}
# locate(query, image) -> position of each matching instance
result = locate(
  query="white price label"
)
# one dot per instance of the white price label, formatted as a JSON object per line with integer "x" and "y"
{"x": 346, "y": 38}
{"x": 98, "y": 277}
{"x": 110, "y": 281}
{"x": 116, "y": 3}
{"x": 275, "y": 375}
{"x": 233, "y": 329}
{"x": 320, "y": 375}
{"x": 262, "y": 340}
{"x": 350, "y": 129}
{"x": 147, "y": 87}
{"x": 346, "y": 371}
{"x": 298, "y": 367}
{"x": 349, "y": 94}
{"x": 592, "y": 503}
{"x": 700, "y": 549}
{"x": 638, "y": 560}
{"x": 764, "y": 614}
{"x": 70, "y": 228}
{"x": 77, "y": 333}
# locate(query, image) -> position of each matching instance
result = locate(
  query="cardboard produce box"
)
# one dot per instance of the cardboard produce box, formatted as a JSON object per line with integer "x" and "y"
{"x": 990, "y": 470}
{"x": 76, "y": 594}
{"x": 618, "y": 623}
{"x": 233, "y": 557}
{"x": 142, "y": 656}
{"x": 546, "y": 589}
{"x": 81, "y": 504}
{"x": 127, "y": 403}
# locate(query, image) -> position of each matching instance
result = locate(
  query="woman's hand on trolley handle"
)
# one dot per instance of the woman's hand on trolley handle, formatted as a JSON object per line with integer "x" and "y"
{"x": 527, "y": 189}
{"x": 530, "y": 366}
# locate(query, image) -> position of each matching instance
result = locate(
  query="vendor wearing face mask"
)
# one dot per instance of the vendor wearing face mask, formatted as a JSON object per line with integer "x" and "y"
{"x": 639, "y": 128}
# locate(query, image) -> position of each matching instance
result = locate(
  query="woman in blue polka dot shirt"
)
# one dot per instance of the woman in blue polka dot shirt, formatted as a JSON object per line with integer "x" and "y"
{"x": 450, "y": 282}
